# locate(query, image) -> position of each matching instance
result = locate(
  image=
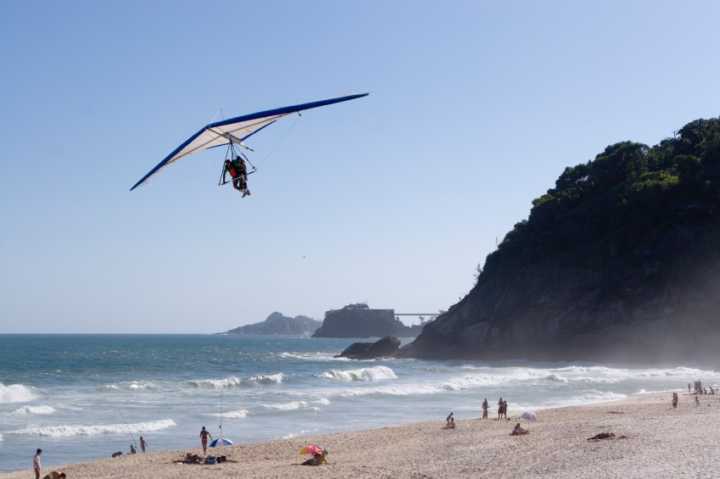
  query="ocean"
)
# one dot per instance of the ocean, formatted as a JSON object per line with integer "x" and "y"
{"x": 82, "y": 397}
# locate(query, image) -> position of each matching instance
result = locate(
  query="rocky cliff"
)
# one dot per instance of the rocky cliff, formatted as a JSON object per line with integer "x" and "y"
{"x": 360, "y": 321}
{"x": 619, "y": 261}
{"x": 279, "y": 324}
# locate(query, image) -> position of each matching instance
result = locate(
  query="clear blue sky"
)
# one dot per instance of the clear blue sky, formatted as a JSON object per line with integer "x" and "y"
{"x": 475, "y": 108}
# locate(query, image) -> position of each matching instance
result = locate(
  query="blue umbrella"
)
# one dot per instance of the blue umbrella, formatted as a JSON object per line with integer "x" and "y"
{"x": 221, "y": 441}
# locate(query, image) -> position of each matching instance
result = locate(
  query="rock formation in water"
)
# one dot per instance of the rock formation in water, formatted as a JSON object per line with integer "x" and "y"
{"x": 620, "y": 261}
{"x": 359, "y": 321}
{"x": 385, "y": 347}
{"x": 278, "y": 324}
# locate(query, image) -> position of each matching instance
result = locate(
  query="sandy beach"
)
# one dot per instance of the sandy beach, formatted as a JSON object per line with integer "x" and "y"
{"x": 659, "y": 442}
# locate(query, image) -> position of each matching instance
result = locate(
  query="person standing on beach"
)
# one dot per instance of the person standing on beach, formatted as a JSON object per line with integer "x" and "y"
{"x": 142, "y": 444}
{"x": 500, "y": 406}
{"x": 204, "y": 436}
{"x": 36, "y": 463}
{"x": 675, "y": 400}
{"x": 485, "y": 407}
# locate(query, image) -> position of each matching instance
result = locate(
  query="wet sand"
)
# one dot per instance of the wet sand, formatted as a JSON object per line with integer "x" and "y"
{"x": 660, "y": 442}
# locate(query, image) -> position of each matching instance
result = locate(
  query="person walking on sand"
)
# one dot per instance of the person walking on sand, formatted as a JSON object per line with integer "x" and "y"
{"x": 36, "y": 463}
{"x": 675, "y": 400}
{"x": 143, "y": 444}
{"x": 204, "y": 436}
{"x": 485, "y": 407}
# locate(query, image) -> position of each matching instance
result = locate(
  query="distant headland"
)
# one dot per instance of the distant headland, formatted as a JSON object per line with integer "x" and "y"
{"x": 279, "y": 324}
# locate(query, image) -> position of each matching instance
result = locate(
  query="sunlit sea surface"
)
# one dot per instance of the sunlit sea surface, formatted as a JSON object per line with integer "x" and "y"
{"x": 81, "y": 397}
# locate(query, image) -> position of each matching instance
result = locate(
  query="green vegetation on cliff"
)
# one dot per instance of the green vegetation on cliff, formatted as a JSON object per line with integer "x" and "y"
{"x": 621, "y": 246}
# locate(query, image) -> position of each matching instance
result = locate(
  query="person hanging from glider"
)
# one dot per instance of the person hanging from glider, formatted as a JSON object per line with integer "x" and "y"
{"x": 233, "y": 132}
{"x": 237, "y": 169}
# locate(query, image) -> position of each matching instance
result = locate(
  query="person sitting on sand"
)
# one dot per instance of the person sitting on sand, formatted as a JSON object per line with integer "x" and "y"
{"x": 450, "y": 421}
{"x": 519, "y": 430}
{"x": 674, "y": 400}
{"x": 143, "y": 444}
{"x": 317, "y": 459}
{"x": 204, "y": 436}
{"x": 192, "y": 459}
{"x": 485, "y": 407}
{"x": 55, "y": 475}
{"x": 132, "y": 449}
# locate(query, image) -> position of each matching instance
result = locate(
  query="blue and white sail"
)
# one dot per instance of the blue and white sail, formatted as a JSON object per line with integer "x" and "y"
{"x": 235, "y": 130}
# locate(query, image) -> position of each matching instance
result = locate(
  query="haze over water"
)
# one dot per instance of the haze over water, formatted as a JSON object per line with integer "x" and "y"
{"x": 85, "y": 396}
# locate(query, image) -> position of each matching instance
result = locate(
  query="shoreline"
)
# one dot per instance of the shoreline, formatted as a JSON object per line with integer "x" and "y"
{"x": 659, "y": 441}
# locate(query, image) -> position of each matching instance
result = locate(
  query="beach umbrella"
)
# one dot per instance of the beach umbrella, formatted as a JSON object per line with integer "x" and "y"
{"x": 311, "y": 449}
{"x": 221, "y": 441}
{"x": 529, "y": 416}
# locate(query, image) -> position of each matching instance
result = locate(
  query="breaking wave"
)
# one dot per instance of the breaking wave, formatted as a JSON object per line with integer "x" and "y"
{"x": 16, "y": 393}
{"x": 34, "y": 410}
{"x": 237, "y": 414}
{"x": 288, "y": 406}
{"x": 377, "y": 373}
{"x": 228, "y": 382}
{"x": 128, "y": 386}
{"x": 276, "y": 378}
{"x": 93, "y": 430}
{"x": 233, "y": 381}
{"x": 295, "y": 405}
{"x": 388, "y": 390}
{"x": 315, "y": 356}
{"x": 590, "y": 397}
{"x": 478, "y": 376}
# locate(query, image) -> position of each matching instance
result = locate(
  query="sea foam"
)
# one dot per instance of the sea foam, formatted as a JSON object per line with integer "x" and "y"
{"x": 15, "y": 393}
{"x": 377, "y": 373}
{"x": 276, "y": 378}
{"x": 233, "y": 381}
{"x": 228, "y": 382}
{"x": 314, "y": 356}
{"x": 34, "y": 410}
{"x": 237, "y": 414}
{"x": 128, "y": 386}
{"x": 288, "y": 406}
{"x": 93, "y": 430}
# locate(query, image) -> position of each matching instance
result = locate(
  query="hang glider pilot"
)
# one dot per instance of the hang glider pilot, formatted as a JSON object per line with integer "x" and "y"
{"x": 238, "y": 172}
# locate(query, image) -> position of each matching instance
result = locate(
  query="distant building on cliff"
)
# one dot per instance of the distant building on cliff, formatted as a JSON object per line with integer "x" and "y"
{"x": 360, "y": 321}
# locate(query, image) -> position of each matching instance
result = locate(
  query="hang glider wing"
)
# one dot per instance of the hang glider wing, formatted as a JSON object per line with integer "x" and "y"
{"x": 236, "y": 130}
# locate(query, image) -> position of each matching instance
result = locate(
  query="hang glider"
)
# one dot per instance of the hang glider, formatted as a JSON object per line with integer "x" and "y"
{"x": 233, "y": 132}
